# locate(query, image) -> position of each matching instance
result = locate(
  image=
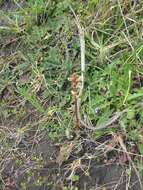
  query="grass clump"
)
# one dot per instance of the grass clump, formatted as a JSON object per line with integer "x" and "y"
{"x": 48, "y": 52}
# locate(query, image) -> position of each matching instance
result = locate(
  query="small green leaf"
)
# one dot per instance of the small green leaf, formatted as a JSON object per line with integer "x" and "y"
{"x": 75, "y": 178}
{"x": 130, "y": 114}
{"x": 136, "y": 95}
{"x": 141, "y": 148}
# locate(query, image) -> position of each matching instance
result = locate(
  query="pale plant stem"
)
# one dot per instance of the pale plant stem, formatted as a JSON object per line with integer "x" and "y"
{"x": 82, "y": 50}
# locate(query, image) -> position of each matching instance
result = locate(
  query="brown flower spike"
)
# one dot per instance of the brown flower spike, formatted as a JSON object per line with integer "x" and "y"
{"x": 75, "y": 86}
